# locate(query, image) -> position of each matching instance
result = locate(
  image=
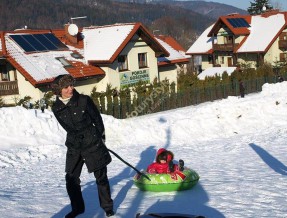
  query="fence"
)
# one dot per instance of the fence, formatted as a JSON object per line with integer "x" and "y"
{"x": 161, "y": 101}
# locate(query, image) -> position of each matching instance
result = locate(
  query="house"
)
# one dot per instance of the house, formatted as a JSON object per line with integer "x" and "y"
{"x": 119, "y": 55}
{"x": 177, "y": 60}
{"x": 235, "y": 40}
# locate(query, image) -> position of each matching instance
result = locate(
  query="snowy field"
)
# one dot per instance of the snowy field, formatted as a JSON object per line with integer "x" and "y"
{"x": 238, "y": 146}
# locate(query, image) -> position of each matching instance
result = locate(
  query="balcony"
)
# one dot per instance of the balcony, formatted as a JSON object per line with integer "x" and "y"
{"x": 224, "y": 47}
{"x": 9, "y": 88}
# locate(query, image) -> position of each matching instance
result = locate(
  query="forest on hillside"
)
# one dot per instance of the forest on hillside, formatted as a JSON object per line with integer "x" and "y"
{"x": 182, "y": 24}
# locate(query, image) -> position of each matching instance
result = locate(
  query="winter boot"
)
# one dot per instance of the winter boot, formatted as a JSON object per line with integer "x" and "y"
{"x": 181, "y": 165}
{"x": 110, "y": 213}
{"x": 171, "y": 166}
{"x": 73, "y": 214}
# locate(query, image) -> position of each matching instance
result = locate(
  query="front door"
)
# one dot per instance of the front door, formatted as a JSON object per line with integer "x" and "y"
{"x": 229, "y": 61}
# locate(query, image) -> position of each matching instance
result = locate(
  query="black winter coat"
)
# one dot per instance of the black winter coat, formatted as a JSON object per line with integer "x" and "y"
{"x": 85, "y": 131}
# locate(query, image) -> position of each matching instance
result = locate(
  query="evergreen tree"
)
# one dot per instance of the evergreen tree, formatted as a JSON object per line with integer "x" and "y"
{"x": 257, "y": 7}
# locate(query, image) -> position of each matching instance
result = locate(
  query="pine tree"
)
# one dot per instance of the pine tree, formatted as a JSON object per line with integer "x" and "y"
{"x": 257, "y": 6}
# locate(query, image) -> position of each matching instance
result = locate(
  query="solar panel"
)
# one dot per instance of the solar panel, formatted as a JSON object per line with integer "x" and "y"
{"x": 38, "y": 42}
{"x": 238, "y": 22}
{"x": 23, "y": 43}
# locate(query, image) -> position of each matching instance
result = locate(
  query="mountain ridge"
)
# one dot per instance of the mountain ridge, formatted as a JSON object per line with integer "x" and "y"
{"x": 184, "y": 21}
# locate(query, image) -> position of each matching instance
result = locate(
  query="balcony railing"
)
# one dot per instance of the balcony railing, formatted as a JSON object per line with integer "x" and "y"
{"x": 224, "y": 47}
{"x": 9, "y": 88}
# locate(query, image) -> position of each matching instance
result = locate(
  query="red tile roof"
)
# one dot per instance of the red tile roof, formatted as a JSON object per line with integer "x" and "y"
{"x": 222, "y": 21}
{"x": 78, "y": 69}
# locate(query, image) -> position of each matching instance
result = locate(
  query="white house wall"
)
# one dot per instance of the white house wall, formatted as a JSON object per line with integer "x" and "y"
{"x": 205, "y": 62}
{"x": 248, "y": 59}
{"x": 169, "y": 73}
{"x": 133, "y": 48}
{"x": 25, "y": 89}
{"x": 273, "y": 54}
{"x": 86, "y": 86}
{"x": 238, "y": 39}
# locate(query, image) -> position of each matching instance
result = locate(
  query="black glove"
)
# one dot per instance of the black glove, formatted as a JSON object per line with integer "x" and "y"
{"x": 171, "y": 166}
{"x": 104, "y": 136}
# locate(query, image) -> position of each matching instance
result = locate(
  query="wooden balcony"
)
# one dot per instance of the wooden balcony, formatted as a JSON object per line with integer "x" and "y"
{"x": 224, "y": 47}
{"x": 282, "y": 44}
{"x": 9, "y": 88}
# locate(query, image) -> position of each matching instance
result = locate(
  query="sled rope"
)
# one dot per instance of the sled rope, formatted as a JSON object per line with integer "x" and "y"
{"x": 121, "y": 159}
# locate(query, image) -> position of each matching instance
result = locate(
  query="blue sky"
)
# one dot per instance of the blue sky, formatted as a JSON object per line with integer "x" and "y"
{"x": 244, "y": 4}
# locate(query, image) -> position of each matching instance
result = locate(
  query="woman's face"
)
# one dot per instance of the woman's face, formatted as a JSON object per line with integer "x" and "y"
{"x": 67, "y": 92}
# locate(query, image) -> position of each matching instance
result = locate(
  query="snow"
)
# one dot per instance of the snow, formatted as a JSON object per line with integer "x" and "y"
{"x": 108, "y": 42}
{"x": 40, "y": 65}
{"x": 236, "y": 145}
{"x": 173, "y": 54}
{"x": 216, "y": 70}
{"x": 262, "y": 31}
{"x": 203, "y": 44}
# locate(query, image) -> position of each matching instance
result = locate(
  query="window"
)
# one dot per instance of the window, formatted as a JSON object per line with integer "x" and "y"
{"x": 76, "y": 55}
{"x": 222, "y": 60}
{"x": 123, "y": 62}
{"x": 228, "y": 40}
{"x": 142, "y": 58}
{"x": 64, "y": 62}
{"x": 4, "y": 73}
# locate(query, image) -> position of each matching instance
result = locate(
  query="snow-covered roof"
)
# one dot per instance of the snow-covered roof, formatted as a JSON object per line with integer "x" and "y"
{"x": 100, "y": 43}
{"x": 203, "y": 44}
{"x": 216, "y": 70}
{"x": 174, "y": 54}
{"x": 262, "y": 31}
{"x": 42, "y": 66}
{"x": 103, "y": 44}
{"x": 260, "y": 35}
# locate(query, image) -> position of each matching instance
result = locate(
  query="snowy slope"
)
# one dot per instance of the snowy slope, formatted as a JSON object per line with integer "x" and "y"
{"x": 237, "y": 145}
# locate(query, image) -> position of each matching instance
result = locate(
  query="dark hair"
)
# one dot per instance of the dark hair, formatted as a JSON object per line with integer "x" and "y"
{"x": 61, "y": 82}
{"x": 162, "y": 156}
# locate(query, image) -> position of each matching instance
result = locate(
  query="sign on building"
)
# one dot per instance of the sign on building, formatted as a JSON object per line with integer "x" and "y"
{"x": 129, "y": 78}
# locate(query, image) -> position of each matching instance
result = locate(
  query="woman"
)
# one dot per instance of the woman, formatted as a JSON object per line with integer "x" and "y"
{"x": 79, "y": 116}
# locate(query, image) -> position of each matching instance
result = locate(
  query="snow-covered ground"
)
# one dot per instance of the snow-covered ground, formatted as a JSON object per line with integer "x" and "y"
{"x": 237, "y": 146}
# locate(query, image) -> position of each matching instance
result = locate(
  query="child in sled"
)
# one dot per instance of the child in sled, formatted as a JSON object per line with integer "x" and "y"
{"x": 164, "y": 163}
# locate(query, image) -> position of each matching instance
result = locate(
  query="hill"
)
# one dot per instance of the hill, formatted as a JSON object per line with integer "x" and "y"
{"x": 181, "y": 20}
{"x": 209, "y": 9}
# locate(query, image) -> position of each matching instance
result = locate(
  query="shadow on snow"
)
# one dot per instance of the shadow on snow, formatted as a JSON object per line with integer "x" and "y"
{"x": 191, "y": 201}
{"x": 271, "y": 161}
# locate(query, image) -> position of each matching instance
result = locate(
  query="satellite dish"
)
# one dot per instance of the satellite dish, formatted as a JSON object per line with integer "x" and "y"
{"x": 73, "y": 29}
{"x": 264, "y": 8}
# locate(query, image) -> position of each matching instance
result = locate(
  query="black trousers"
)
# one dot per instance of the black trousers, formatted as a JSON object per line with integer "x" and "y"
{"x": 74, "y": 189}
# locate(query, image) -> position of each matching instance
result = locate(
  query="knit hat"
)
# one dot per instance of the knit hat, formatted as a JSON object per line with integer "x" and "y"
{"x": 163, "y": 154}
{"x": 60, "y": 82}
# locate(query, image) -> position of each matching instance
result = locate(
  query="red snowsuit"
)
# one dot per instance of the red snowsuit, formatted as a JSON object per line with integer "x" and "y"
{"x": 158, "y": 167}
